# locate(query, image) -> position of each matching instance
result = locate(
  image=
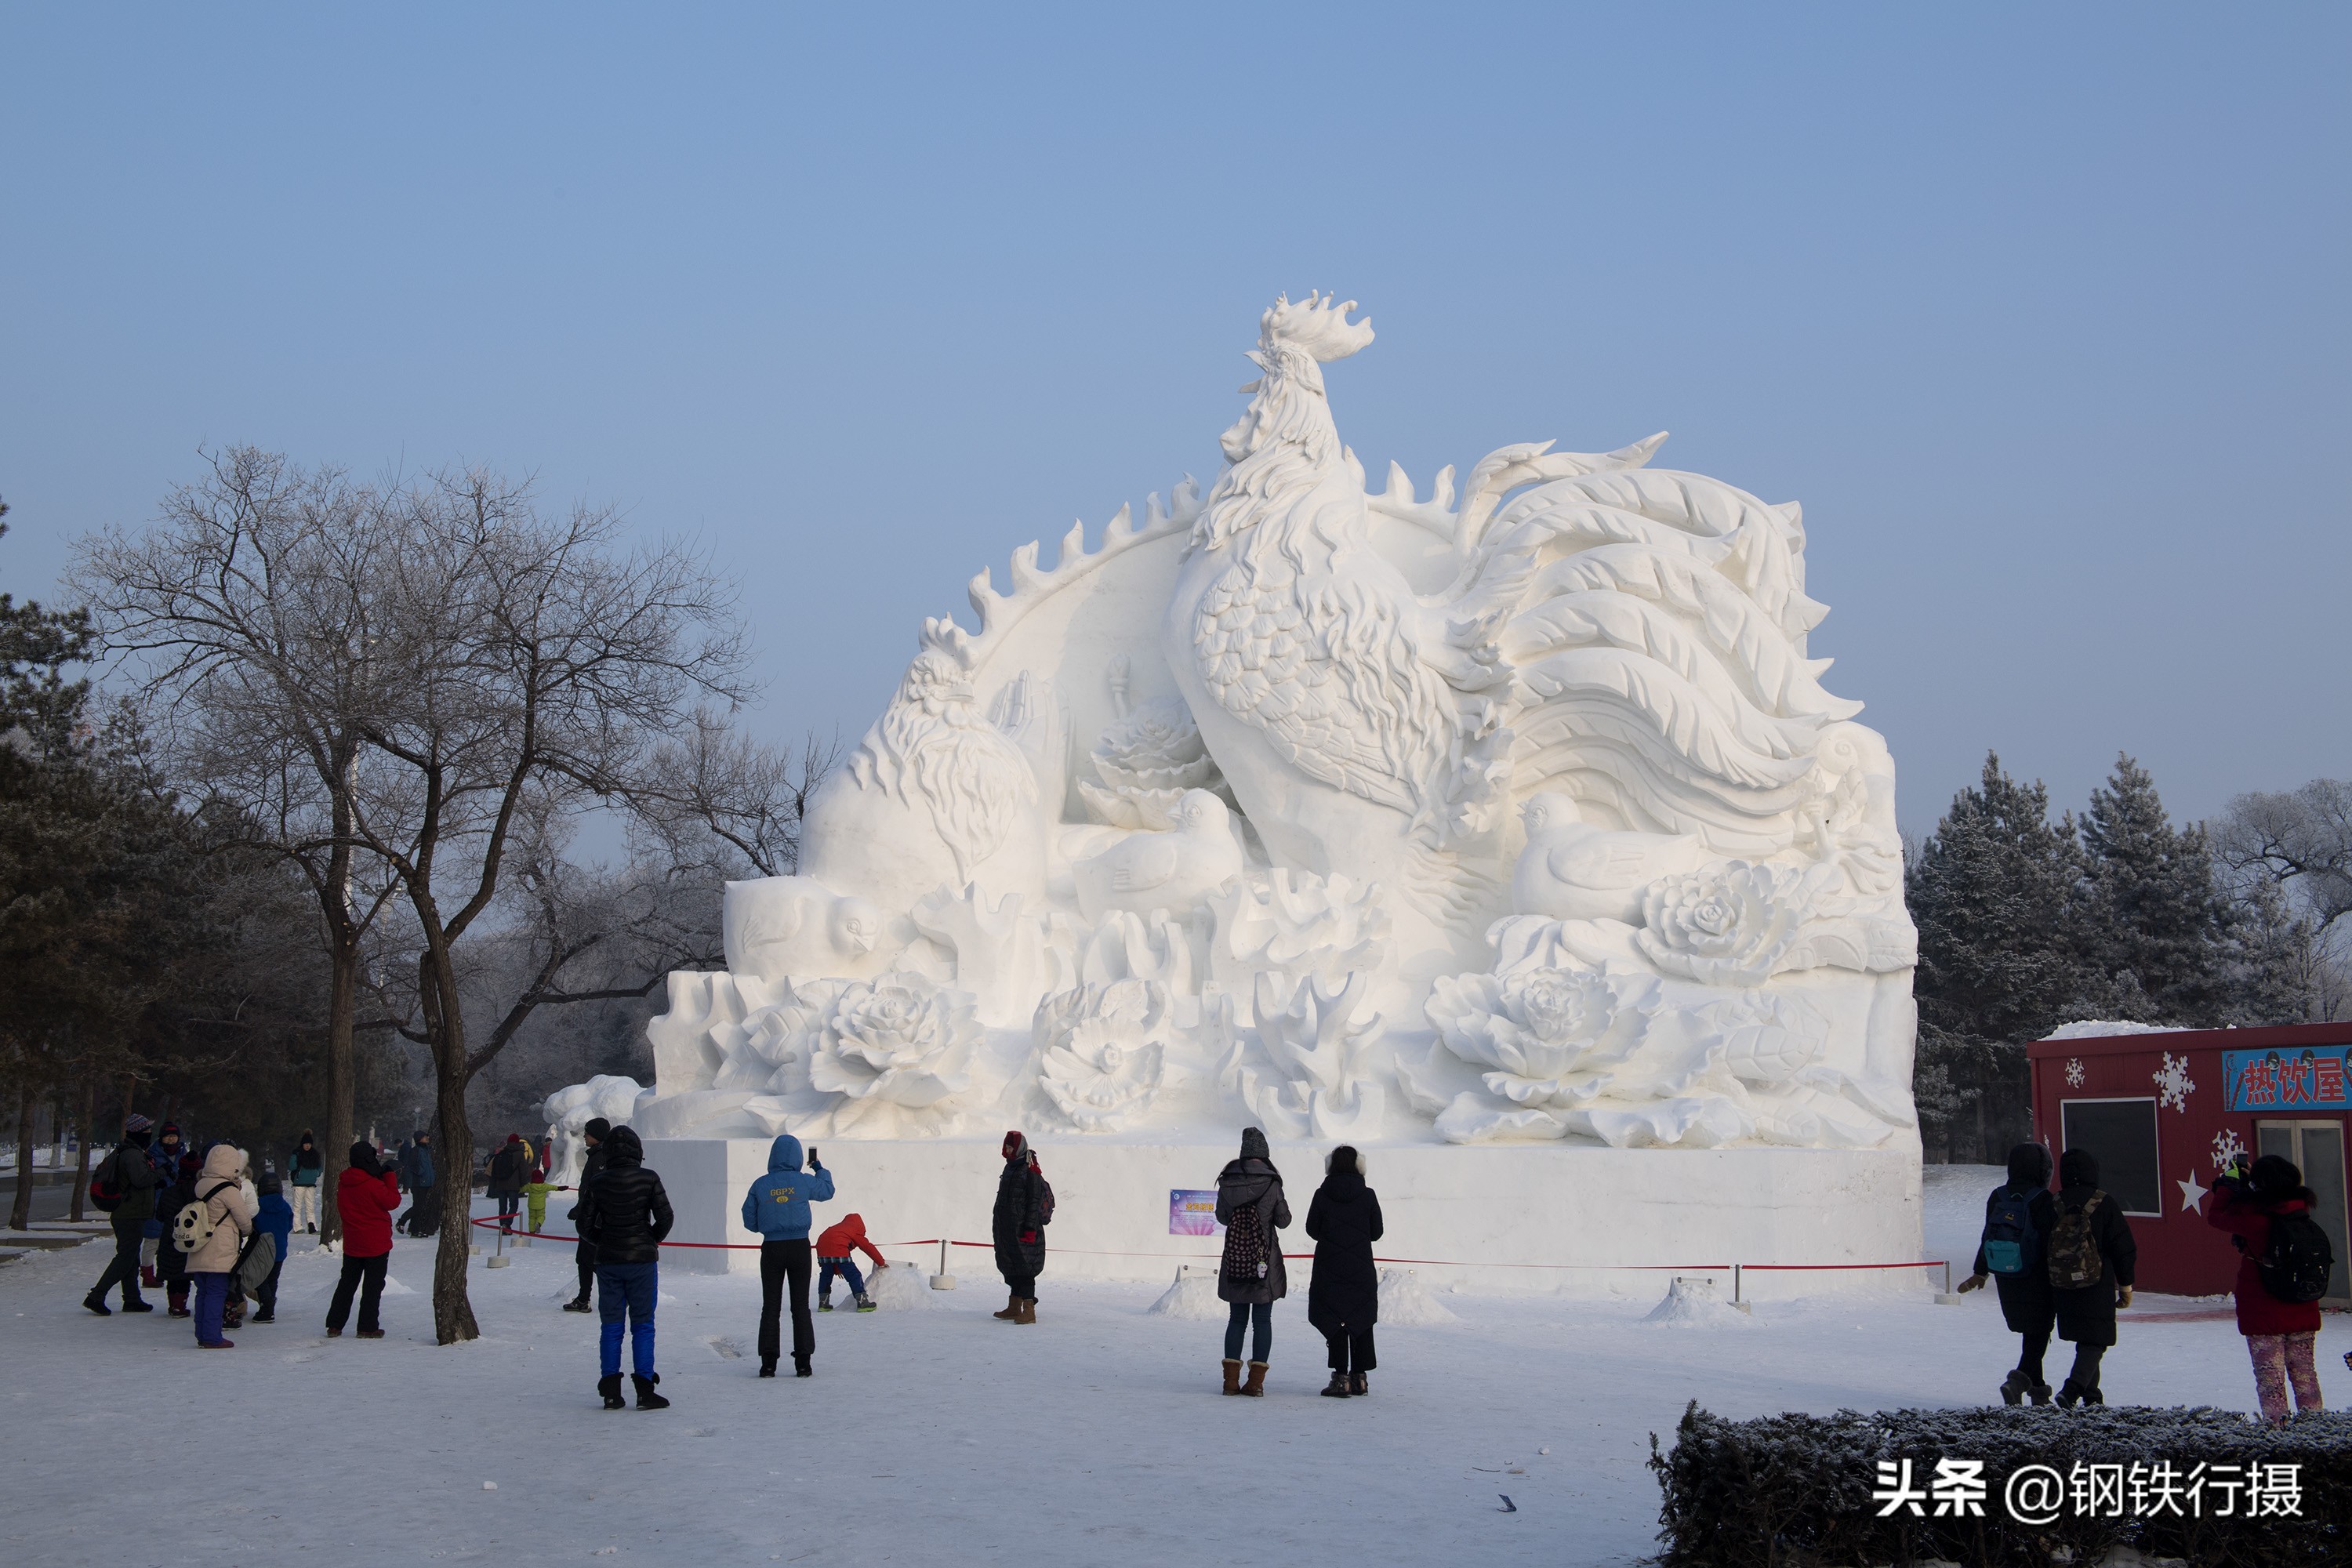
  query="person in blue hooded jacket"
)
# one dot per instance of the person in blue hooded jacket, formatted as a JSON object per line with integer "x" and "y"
{"x": 777, "y": 1206}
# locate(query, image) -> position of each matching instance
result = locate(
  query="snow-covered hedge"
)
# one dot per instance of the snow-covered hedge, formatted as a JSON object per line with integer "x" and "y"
{"x": 1797, "y": 1491}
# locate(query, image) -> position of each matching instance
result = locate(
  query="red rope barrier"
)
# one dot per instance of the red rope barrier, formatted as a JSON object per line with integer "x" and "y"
{"x": 490, "y": 1223}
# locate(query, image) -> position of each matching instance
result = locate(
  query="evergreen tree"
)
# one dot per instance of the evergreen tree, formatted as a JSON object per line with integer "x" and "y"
{"x": 1991, "y": 892}
{"x": 2153, "y": 929}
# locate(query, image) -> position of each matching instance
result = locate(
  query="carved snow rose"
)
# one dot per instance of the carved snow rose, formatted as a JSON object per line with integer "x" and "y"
{"x": 1101, "y": 1050}
{"x": 1728, "y": 924}
{"x": 894, "y": 1041}
{"x": 1536, "y": 1026}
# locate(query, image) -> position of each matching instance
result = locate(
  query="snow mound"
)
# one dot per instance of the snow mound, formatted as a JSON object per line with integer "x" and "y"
{"x": 1194, "y": 1295}
{"x": 2092, "y": 1028}
{"x": 1693, "y": 1303}
{"x": 900, "y": 1288}
{"x": 394, "y": 1288}
{"x": 1406, "y": 1302}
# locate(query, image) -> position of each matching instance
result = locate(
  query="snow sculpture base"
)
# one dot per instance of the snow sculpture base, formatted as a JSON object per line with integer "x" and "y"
{"x": 1626, "y": 1217}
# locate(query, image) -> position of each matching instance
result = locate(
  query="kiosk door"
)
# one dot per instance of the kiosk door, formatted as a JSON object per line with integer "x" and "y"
{"x": 2318, "y": 1149}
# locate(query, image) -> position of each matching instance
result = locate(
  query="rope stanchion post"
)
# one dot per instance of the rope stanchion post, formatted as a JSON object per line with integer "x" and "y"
{"x": 943, "y": 1281}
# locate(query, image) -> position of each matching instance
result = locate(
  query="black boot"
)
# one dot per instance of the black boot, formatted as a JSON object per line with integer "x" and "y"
{"x": 609, "y": 1386}
{"x": 1337, "y": 1387}
{"x": 97, "y": 1303}
{"x": 647, "y": 1398}
{"x": 1359, "y": 1384}
{"x": 578, "y": 1304}
{"x": 801, "y": 1367}
{"x": 2015, "y": 1387}
{"x": 767, "y": 1366}
{"x": 2068, "y": 1395}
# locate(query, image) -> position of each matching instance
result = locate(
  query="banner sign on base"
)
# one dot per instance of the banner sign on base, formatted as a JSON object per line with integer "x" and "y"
{"x": 1193, "y": 1213}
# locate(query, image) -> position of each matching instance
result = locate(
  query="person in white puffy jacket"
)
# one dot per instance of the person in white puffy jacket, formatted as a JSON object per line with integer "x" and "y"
{"x": 221, "y": 1189}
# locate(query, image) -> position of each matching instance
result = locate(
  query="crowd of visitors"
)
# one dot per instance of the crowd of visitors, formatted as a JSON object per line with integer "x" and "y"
{"x": 213, "y": 1233}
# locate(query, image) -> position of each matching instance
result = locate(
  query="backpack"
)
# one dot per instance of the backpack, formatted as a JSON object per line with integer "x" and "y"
{"x": 1044, "y": 1199}
{"x": 2075, "y": 1262}
{"x": 2296, "y": 1260}
{"x": 193, "y": 1226}
{"x": 1245, "y": 1245}
{"x": 255, "y": 1262}
{"x": 2011, "y": 1243}
{"x": 105, "y": 1193}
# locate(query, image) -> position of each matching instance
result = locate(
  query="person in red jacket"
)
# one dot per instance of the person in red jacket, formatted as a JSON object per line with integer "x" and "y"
{"x": 833, "y": 1249}
{"x": 2279, "y": 1334}
{"x": 367, "y": 1195}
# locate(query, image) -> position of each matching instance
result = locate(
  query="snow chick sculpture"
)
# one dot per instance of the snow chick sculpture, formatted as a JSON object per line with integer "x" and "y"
{"x": 1516, "y": 814}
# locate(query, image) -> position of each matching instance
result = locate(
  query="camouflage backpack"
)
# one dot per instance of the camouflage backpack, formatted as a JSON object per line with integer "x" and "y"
{"x": 2075, "y": 1261}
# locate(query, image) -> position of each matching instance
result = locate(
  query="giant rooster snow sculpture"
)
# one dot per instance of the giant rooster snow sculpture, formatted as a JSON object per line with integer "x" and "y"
{"x": 1521, "y": 818}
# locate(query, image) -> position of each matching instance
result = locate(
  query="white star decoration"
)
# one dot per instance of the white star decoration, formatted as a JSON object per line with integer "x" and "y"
{"x": 2190, "y": 1191}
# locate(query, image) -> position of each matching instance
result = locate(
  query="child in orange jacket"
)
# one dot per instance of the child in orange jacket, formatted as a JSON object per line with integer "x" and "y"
{"x": 833, "y": 1249}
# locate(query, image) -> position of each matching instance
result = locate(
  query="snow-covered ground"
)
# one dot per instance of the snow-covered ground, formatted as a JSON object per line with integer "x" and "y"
{"x": 938, "y": 1434}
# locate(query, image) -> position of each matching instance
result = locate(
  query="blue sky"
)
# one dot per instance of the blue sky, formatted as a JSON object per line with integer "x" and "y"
{"x": 2042, "y": 312}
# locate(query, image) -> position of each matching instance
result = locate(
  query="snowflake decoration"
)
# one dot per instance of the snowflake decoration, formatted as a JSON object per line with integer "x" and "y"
{"x": 2074, "y": 1072}
{"x": 2172, "y": 1085}
{"x": 2227, "y": 1150}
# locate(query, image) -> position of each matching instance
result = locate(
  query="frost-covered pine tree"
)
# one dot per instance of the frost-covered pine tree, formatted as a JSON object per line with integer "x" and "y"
{"x": 2153, "y": 925}
{"x": 1992, "y": 892}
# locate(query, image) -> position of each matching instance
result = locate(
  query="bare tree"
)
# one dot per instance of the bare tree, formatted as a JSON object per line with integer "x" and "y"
{"x": 252, "y": 610}
{"x": 2301, "y": 839}
{"x": 529, "y": 667}
{"x": 716, "y": 801}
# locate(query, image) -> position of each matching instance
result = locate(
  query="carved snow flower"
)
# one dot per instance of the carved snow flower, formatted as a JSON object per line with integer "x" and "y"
{"x": 1147, "y": 761}
{"x": 1158, "y": 746}
{"x": 897, "y": 1042}
{"x": 1539, "y": 1026}
{"x": 1727, "y": 924}
{"x": 1102, "y": 1047}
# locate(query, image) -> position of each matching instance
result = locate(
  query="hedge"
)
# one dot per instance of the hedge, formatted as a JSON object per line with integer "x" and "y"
{"x": 1796, "y": 1490}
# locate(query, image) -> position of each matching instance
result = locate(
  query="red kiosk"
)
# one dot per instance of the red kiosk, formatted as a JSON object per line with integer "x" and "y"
{"x": 2166, "y": 1110}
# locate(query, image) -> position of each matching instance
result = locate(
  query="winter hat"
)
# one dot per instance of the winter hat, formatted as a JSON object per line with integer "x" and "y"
{"x": 191, "y": 1165}
{"x": 134, "y": 1123}
{"x": 598, "y": 1128}
{"x": 514, "y": 1137}
{"x": 169, "y": 1130}
{"x": 2028, "y": 1165}
{"x": 2274, "y": 1175}
{"x": 624, "y": 1149}
{"x": 267, "y": 1183}
{"x": 2078, "y": 1168}
{"x": 1015, "y": 1145}
{"x": 362, "y": 1158}
{"x": 1253, "y": 1145}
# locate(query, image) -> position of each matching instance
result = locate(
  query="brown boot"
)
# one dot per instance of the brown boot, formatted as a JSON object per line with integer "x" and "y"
{"x": 1255, "y": 1386}
{"x": 1028, "y": 1314}
{"x": 1232, "y": 1377}
{"x": 1012, "y": 1309}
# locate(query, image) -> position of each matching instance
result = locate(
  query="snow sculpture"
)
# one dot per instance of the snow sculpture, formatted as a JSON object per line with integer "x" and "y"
{"x": 1516, "y": 812}
{"x": 568, "y": 1113}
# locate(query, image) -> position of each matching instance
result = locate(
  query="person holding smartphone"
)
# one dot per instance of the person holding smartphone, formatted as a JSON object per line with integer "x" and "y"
{"x": 777, "y": 1207}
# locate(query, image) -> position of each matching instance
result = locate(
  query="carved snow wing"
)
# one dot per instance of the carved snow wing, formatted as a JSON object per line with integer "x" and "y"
{"x": 1517, "y": 811}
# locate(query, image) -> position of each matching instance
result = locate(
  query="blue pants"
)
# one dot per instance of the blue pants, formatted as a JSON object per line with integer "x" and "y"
{"x": 211, "y": 1299}
{"x": 827, "y": 1267}
{"x": 1259, "y": 1317}
{"x": 632, "y": 1287}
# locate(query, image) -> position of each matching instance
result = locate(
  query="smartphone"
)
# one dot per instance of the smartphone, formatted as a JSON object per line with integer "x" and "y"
{"x": 812, "y": 1156}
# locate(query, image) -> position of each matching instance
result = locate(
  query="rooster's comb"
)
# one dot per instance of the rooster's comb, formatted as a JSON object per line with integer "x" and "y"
{"x": 1319, "y": 325}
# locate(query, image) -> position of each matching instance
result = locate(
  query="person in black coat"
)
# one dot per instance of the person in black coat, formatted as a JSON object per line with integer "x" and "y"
{"x": 1017, "y": 1226}
{"x": 625, "y": 1212}
{"x": 2027, "y": 1305}
{"x": 1343, "y": 1296}
{"x": 2086, "y": 1314}
{"x": 1251, "y": 1276}
{"x": 584, "y": 1254}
